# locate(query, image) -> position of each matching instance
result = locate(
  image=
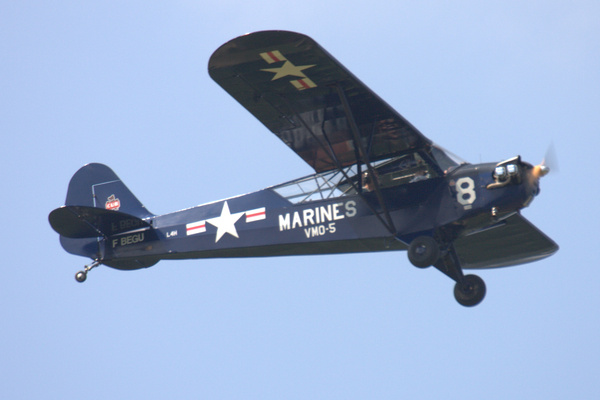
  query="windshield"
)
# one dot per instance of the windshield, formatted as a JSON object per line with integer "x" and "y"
{"x": 445, "y": 159}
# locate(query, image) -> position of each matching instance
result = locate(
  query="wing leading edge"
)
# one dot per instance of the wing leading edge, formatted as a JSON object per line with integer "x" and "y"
{"x": 298, "y": 90}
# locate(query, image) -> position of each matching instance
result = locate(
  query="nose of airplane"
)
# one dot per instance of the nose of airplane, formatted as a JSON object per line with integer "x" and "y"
{"x": 540, "y": 170}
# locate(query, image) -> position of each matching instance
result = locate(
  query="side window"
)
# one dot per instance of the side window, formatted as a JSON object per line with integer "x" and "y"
{"x": 406, "y": 169}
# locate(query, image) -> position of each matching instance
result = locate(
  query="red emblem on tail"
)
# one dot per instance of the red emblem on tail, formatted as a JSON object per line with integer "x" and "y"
{"x": 113, "y": 203}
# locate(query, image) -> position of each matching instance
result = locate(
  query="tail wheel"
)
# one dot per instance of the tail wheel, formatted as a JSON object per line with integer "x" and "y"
{"x": 423, "y": 252}
{"x": 470, "y": 291}
{"x": 80, "y": 276}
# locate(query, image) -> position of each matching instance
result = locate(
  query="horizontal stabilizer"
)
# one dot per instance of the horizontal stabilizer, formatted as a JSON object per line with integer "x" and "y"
{"x": 86, "y": 222}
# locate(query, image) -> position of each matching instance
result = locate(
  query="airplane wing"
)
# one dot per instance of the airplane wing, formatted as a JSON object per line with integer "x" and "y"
{"x": 513, "y": 241}
{"x": 311, "y": 101}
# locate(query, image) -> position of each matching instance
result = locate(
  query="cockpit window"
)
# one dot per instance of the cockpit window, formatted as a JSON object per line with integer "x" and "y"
{"x": 401, "y": 170}
{"x": 408, "y": 168}
{"x": 445, "y": 159}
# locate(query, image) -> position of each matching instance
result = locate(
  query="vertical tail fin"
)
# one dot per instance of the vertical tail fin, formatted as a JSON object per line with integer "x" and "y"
{"x": 96, "y": 185}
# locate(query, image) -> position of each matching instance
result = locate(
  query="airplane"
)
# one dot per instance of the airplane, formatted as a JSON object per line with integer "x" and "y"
{"x": 379, "y": 183}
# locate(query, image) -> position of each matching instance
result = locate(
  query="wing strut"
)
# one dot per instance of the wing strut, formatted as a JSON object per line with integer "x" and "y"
{"x": 389, "y": 224}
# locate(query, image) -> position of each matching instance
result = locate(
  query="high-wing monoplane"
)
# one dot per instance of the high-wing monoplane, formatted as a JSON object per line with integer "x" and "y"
{"x": 379, "y": 183}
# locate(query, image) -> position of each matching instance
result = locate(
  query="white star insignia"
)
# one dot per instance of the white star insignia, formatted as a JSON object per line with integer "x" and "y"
{"x": 288, "y": 69}
{"x": 226, "y": 222}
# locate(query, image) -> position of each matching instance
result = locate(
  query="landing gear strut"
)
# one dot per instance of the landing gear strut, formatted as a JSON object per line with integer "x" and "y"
{"x": 470, "y": 289}
{"x": 81, "y": 276}
{"x": 425, "y": 251}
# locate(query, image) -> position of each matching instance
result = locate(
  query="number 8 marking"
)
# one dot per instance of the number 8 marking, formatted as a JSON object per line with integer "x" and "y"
{"x": 465, "y": 191}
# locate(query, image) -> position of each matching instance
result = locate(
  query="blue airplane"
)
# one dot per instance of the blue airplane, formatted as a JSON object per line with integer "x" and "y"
{"x": 379, "y": 183}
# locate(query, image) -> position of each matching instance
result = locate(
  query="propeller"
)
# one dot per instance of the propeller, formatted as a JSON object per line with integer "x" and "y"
{"x": 540, "y": 170}
{"x": 551, "y": 159}
{"x": 550, "y": 162}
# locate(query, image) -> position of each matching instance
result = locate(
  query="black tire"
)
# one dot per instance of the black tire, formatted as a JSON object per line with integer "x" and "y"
{"x": 423, "y": 252}
{"x": 470, "y": 292}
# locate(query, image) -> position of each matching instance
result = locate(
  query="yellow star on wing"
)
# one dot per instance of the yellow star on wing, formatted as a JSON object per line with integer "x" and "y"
{"x": 288, "y": 69}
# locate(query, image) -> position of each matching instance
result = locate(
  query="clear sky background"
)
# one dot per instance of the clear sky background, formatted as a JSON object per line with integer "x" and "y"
{"x": 126, "y": 84}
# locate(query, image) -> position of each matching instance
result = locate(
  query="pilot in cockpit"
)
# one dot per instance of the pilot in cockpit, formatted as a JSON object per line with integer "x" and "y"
{"x": 367, "y": 182}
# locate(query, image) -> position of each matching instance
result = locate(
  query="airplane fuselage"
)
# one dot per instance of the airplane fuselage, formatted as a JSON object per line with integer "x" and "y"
{"x": 264, "y": 223}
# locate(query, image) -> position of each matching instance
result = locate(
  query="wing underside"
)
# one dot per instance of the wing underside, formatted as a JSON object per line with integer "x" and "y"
{"x": 310, "y": 101}
{"x": 514, "y": 241}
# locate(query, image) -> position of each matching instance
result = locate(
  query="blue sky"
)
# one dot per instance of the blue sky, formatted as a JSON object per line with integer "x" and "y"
{"x": 125, "y": 84}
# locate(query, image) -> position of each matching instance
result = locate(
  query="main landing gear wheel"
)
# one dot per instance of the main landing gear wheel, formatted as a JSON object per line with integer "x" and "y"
{"x": 470, "y": 291}
{"x": 423, "y": 251}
